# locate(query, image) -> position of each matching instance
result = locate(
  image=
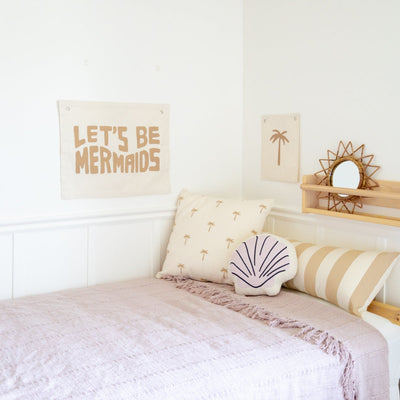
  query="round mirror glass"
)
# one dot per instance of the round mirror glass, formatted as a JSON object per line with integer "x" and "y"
{"x": 346, "y": 175}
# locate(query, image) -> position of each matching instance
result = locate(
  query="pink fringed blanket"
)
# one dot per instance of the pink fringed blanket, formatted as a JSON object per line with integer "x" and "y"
{"x": 146, "y": 339}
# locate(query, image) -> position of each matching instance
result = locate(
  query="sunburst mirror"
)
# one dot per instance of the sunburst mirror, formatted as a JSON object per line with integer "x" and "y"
{"x": 347, "y": 168}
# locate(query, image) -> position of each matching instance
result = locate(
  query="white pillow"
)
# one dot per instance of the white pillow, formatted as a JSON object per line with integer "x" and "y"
{"x": 261, "y": 264}
{"x": 206, "y": 232}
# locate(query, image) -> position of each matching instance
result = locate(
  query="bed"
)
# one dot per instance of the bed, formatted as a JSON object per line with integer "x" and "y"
{"x": 193, "y": 333}
{"x": 182, "y": 339}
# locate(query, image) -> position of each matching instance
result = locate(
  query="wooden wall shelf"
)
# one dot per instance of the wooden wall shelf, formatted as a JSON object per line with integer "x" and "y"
{"x": 386, "y": 195}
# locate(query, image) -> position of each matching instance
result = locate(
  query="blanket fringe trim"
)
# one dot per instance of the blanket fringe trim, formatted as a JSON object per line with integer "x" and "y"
{"x": 323, "y": 340}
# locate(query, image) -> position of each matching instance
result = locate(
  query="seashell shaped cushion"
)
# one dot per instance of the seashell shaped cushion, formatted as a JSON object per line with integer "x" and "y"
{"x": 261, "y": 264}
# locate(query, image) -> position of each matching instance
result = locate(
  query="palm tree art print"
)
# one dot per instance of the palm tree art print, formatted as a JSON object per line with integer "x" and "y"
{"x": 279, "y": 136}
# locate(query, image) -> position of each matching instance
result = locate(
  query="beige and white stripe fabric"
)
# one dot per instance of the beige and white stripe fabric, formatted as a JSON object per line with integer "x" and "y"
{"x": 348, "y": 278}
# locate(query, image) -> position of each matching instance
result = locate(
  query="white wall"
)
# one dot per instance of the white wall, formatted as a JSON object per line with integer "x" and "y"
{"x": 184, "y": 53}
{"x": 337, "y": 63}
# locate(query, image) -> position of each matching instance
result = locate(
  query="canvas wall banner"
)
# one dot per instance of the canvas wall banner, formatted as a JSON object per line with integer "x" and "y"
{"x": 280, "y": 147}
{"x": 113, "y": 149}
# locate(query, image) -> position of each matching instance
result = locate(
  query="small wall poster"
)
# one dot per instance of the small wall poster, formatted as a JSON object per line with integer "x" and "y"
{"x": 280, "y": 147}
{"x": 113, "y": 149}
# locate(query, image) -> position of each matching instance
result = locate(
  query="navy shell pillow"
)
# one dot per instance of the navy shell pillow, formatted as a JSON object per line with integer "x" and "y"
{"x": 261, "y": 264}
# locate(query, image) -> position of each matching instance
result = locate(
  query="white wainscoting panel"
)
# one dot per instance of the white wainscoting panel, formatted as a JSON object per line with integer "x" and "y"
{"x": 42, "y": 255}
{"x": 120, "y": 251}
{"x": 6, "y": 266}
{"x": 294, "y": 229}
{"x": 342, "y": 233}
{"x": 164, "y": 229}
{"x": 49, "y": 260}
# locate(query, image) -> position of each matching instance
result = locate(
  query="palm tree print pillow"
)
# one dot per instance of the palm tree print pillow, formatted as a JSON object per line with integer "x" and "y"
{"x": 206, "y": 232}
{"x": 261, "y": 264}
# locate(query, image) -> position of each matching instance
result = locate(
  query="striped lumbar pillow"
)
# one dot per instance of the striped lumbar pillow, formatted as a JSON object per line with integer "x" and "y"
{"x": 348, "y": 278}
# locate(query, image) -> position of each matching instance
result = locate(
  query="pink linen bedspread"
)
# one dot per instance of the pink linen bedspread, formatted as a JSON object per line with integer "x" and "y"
{"x": 146, "y": 339}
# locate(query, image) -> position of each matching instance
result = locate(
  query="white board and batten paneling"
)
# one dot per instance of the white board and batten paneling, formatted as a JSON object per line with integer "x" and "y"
{"x": 49, "y": 260}
{"x": 6, "y": 265}
{"x": 49, "y": 255}
{"x": 342, "y": 233}
{"x": 114, "y": 250}
{"x": 127, "y": 249}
